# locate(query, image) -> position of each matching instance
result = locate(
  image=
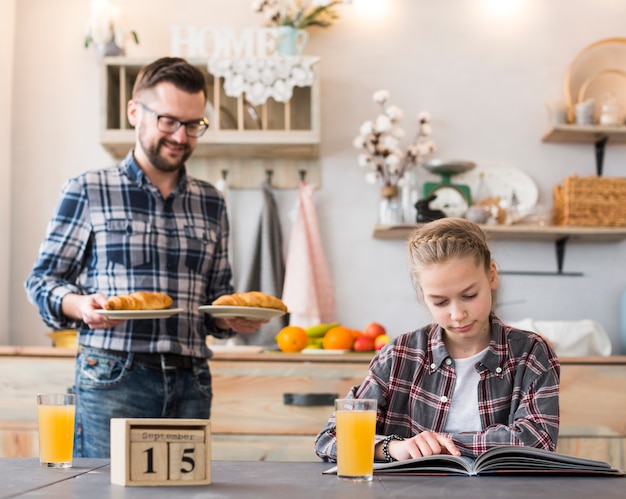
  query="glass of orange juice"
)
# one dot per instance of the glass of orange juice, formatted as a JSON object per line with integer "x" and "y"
{"x": 55, "y": 414}
{"x": 356, "y": 426}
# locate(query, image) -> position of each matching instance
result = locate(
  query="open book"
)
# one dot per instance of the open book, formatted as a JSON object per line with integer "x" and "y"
{"x": 507, "y": 460}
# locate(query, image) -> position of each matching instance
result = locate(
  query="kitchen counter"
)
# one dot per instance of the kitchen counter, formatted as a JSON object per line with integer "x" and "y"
{"x": 280, "y": 419}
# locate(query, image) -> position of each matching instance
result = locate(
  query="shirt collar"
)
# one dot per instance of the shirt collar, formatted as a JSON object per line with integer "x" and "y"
{"x": 494, "y": 358}
{"x": 131, "y": 168}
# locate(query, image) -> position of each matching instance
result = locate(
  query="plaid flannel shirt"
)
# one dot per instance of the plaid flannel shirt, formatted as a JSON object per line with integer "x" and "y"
{"x": 413, "y": 378}
{"x": 113, "y": 233}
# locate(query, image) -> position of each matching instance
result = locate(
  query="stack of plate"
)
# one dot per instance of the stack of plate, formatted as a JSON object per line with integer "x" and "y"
{"x": 598, "y": 71}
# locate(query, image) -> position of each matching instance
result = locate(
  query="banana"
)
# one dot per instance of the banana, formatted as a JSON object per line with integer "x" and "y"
{"x": 315, "y": 343}
{"x": 319, "y": 330}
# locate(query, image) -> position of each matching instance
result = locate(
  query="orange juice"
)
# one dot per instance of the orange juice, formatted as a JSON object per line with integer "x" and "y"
{"x": 56, "y": 433}
{"x": 355, "y": 443}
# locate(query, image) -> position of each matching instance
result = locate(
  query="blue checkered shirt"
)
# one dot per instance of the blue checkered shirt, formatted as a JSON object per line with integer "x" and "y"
{"x": 113, "y": 233}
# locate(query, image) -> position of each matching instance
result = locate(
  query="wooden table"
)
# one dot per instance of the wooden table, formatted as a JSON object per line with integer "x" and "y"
{"x": 266, "y": 428}
{"x": 24, "y": 478}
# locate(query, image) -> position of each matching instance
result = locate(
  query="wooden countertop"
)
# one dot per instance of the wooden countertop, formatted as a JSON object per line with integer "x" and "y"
{"x": 273, "y": 356}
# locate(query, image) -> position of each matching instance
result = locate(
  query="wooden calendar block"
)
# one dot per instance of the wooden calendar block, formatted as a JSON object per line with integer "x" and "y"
{"x": 187, "y": 462}
{"x": 148, "y": 462}
{"x": 160, "y": 451}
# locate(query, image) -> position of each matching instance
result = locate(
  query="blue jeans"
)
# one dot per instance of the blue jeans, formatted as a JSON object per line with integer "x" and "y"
{"x": 112, "y": 385}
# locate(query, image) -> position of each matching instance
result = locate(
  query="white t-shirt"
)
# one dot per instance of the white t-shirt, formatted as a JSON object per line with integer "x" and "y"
{"x": 463, "y": 414}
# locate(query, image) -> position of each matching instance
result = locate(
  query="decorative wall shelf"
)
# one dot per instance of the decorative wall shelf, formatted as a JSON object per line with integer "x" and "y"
{"x": 559, "y": 235}
{"x": 597, "y": 134}
{"x": 272, "y": 130}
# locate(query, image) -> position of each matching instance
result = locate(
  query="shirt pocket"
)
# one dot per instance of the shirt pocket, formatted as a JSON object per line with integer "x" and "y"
{"x": 128, "y": 242}
{"x": 200, "y": 246}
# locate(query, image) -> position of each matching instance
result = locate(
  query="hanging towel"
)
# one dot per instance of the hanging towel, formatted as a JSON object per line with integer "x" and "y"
{"x": 308, "y": 290}
{"x": 267, "y": 271}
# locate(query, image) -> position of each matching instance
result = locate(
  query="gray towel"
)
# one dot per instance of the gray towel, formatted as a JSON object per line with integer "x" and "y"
{"x": 267, "y": 271}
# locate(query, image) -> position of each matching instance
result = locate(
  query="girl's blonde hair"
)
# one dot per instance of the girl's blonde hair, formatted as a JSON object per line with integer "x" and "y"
{"x": 443, "y": 240}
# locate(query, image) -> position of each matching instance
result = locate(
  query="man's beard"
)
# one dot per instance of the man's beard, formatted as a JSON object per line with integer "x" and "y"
{"x": 159, "y": 161}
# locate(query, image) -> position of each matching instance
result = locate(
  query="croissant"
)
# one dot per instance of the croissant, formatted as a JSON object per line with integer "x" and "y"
{"x": 251, "y": 299}
{"x": 142, "y": 300}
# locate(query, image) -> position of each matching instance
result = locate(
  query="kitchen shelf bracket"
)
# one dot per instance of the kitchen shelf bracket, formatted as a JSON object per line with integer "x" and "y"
{"x": 559, "y": 246}
{"x": 600, "y": 146}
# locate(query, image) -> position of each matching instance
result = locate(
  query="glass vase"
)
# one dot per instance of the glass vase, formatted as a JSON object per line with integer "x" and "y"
{"x": 390, "y": 206}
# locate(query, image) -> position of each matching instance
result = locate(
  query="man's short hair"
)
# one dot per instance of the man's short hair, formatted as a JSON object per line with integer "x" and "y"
{"x": 175, "y": 70}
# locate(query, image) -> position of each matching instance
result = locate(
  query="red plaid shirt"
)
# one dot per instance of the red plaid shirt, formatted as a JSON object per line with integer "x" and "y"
{"x": 413, "y": 379}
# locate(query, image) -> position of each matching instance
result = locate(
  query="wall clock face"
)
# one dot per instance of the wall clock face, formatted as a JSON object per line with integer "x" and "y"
{"x": 450, "y": 200}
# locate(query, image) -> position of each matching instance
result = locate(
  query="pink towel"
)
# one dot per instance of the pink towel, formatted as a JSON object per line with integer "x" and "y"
{"x": 308, "y": 289}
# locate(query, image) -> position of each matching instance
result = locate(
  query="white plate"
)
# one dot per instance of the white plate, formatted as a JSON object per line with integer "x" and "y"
{"x": 250, "y": 313}
{"x": 502, "y": 181}
{"x": 322, "y": 351}
{"x": 609, "y": 53}
{"x": 236, "y": 348}
{"x": 600, "y": 85}
{"x": 140, "y": 314}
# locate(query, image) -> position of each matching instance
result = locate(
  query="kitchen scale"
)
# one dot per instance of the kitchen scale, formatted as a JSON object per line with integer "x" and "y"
{"x": 452, "y": 199}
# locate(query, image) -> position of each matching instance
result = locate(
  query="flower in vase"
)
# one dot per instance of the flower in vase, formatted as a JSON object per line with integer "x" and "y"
{"x": 299, "y": 14}
{"x": 379, "y": 140}
{"x": 107, "y": 28}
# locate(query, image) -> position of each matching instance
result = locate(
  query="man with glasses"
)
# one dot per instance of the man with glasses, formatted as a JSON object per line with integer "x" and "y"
{"x": 143, "y": 225}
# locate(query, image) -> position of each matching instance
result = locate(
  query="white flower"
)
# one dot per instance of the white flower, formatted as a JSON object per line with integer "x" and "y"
{"x": 359, "y": 142}
{"x": 367, "y": 128}
{"x": 383, "y": 123}
{"x": 381, "y": 96}
{"x": 392, "y": 161}
{"x": 397, "y": 132}
{"x": 424, "y": 116}
{"x": 382, "y": 155}
{"x": 106, "y": 24}
{"x": 389, "y": 141}
{"x": 300, "y": 14}
{"x": 394, "y": 113}
{"x": 364, "y": 160}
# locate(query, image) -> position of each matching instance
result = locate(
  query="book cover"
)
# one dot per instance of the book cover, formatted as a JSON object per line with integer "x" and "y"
{"x": 506, "y": 460}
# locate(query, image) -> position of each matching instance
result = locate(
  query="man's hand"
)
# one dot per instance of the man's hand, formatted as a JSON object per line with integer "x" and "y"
{"x": 239, "y": 324}
{"x": 83, "y": 308}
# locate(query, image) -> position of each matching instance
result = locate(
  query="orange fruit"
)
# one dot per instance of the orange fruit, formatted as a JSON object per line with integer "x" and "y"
{"x": 292, "y": 339}
{"x": 338, "y": 338}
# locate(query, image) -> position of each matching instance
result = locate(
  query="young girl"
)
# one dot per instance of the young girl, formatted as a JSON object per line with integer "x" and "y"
{"x": 466, "y": 382}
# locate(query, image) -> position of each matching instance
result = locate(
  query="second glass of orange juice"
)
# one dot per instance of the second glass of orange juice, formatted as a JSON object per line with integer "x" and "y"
{"x": 55, "y": 415}
{"x": 356, "y": 427}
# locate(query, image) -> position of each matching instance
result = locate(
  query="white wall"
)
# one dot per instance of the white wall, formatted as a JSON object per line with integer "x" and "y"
{"x": 7, "y": 44}
{"x": 483, "y": 78}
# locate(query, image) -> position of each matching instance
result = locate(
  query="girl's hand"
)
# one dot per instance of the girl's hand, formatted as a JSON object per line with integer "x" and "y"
{"x": 427, "y": 443}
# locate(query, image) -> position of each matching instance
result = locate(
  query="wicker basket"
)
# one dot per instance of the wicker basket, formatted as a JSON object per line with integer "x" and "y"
{"x": 590, "y": 201}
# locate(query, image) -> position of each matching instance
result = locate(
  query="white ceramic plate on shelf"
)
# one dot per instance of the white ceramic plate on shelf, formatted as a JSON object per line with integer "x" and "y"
{"x": 609, "y": 53}
{"x": 602, "y": 84}
{"x": 139, "y": 314}
{"x": 250, "y": 313}
{"x": 502, "y": 181}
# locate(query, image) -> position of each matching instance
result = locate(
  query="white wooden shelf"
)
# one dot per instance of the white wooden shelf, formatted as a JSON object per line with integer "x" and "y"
{"x": 273, "y": 130}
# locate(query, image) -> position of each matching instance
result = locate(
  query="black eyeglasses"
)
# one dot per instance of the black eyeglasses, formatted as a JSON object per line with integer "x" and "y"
{"x": 167, "y": 124}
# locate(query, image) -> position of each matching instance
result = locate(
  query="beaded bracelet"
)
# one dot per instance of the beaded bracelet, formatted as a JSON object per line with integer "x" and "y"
{"x": 389, "y": 457}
